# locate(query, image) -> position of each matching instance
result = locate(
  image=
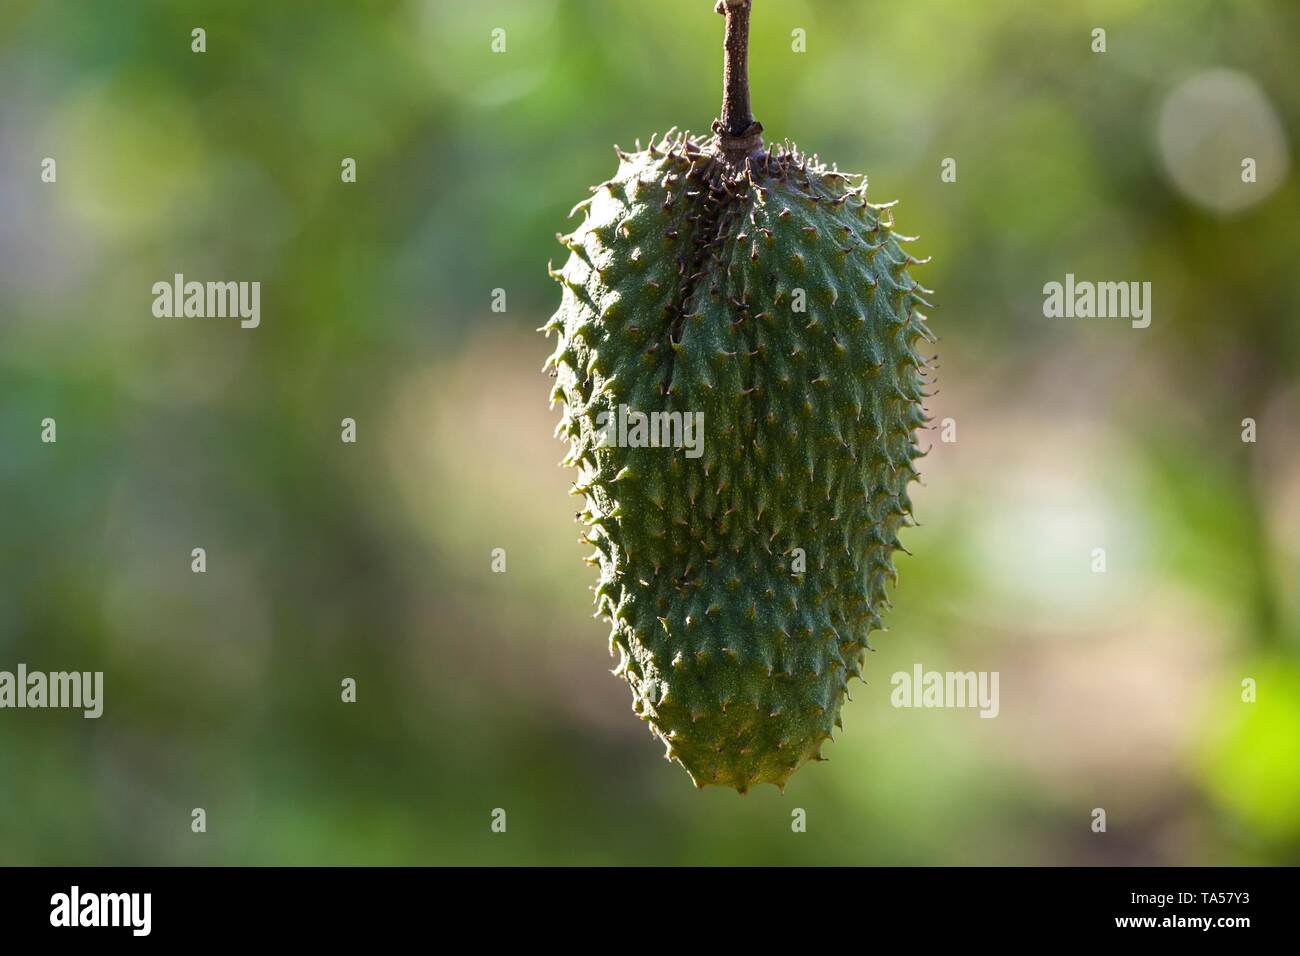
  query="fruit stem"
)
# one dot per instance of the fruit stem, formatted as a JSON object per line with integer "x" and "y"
{"x": 738, "y": 134}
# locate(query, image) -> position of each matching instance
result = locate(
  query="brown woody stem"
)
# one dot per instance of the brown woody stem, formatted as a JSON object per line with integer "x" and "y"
{"x": 738, "y": 135}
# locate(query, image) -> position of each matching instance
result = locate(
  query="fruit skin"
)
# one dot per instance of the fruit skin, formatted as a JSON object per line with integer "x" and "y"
{"x": 680, "y": 294}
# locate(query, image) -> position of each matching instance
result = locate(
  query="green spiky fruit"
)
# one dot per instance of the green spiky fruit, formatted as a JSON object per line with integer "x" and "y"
{"x": 741, "y": 576}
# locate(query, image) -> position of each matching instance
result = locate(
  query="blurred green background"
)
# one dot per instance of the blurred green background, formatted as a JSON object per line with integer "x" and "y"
{"x": 477, "y": 690}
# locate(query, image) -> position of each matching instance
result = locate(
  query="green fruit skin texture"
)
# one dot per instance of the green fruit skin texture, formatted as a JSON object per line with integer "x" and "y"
{"x": 681, "y": 293}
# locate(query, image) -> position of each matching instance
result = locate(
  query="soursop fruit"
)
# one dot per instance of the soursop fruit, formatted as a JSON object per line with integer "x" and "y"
{"x": 742, "y": 564}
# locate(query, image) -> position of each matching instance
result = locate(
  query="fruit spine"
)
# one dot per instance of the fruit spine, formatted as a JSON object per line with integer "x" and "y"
{"x": 760, "y": 288}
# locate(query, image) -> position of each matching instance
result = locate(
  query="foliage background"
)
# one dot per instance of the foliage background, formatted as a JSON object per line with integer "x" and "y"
{"x": 477, "y": 690}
